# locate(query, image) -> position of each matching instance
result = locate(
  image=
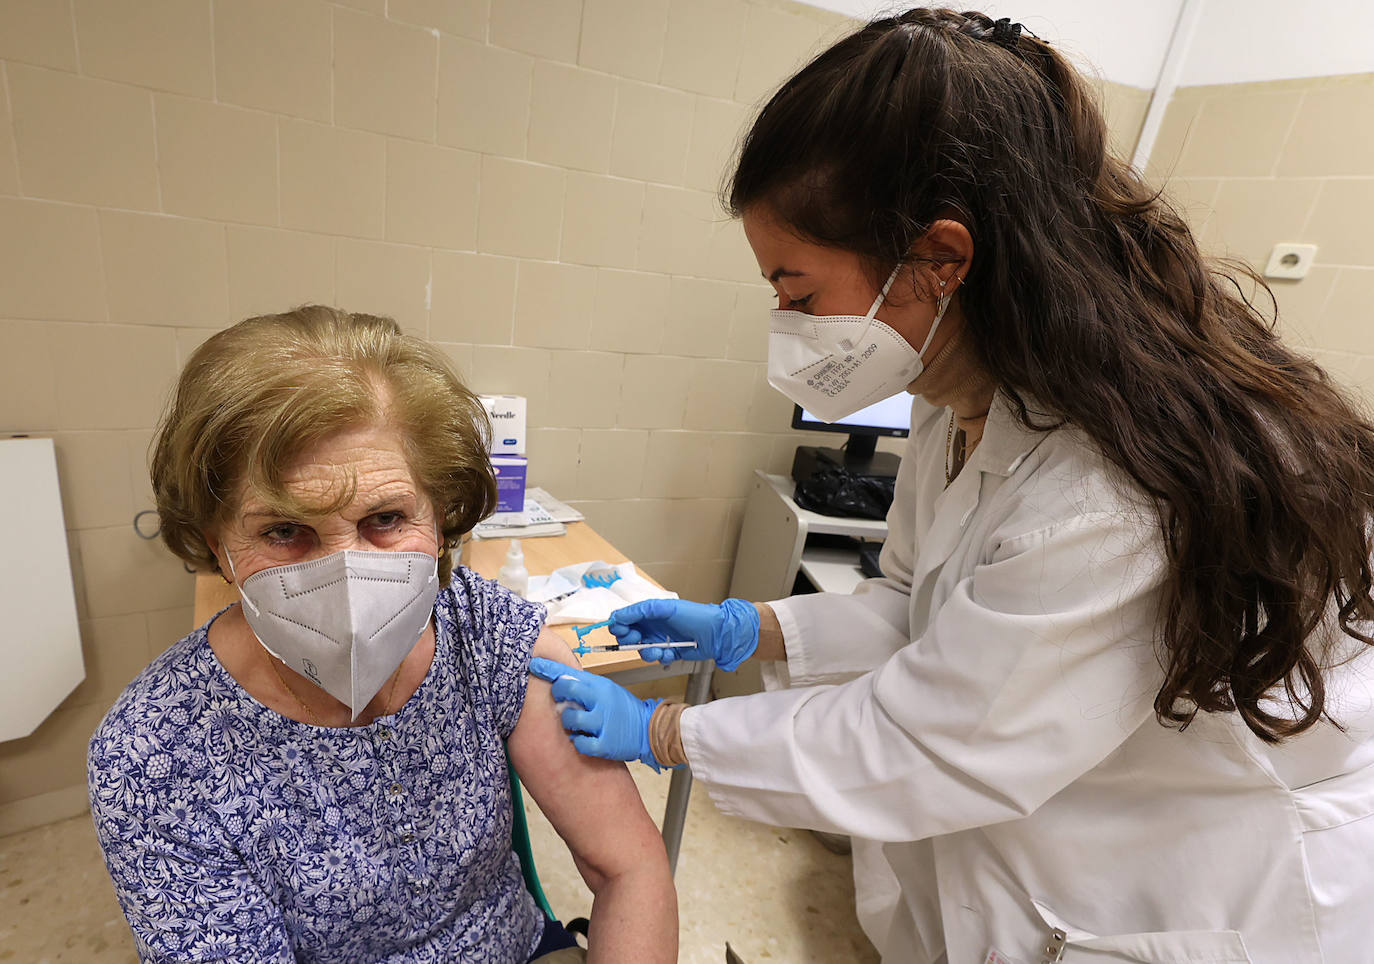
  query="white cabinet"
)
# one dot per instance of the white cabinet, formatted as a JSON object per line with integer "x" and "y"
{"x": 779, "y": 539}
{"x": 39, "y": 641}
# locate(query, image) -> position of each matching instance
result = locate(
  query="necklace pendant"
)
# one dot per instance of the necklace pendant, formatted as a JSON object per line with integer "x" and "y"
{"x": 955, "y": 450}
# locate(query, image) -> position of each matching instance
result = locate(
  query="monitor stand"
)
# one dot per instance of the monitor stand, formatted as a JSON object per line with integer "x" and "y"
{"x": 859, "y": 457}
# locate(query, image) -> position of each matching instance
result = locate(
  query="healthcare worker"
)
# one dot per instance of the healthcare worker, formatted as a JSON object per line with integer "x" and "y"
{"x": 1112, "y": 699}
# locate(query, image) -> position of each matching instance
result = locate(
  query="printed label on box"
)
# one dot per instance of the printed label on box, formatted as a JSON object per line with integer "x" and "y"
{"x": 507, "y": 415}
{"x": 511, "y": 471}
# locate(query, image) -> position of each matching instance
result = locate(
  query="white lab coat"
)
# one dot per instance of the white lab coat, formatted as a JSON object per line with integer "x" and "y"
{"x": 982, "y": 719}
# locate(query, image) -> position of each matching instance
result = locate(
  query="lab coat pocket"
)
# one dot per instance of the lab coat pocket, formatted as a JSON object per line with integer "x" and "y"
{"x": 1337, "y": 817}
{"x": 1160, "y": 947}
{"x": 1337, "y": 801}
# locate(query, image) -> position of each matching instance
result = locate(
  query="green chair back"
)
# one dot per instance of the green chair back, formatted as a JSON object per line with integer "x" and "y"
{"x": 520, "y": 843}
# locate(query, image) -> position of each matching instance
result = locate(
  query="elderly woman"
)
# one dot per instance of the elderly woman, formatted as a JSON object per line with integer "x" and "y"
{"x": 320, "y": 772}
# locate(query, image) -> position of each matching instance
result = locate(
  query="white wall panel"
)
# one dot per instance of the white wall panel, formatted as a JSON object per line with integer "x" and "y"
{"x": 40, "y": 645}
{"x": 1238, "y": 41}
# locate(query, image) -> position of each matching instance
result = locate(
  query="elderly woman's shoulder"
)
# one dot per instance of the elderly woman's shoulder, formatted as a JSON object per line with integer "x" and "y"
{"x": 484, "y": 606}
{"x": 163, "y": 704}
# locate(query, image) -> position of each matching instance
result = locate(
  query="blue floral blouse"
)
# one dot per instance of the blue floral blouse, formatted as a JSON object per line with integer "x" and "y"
{"x": 234, "y": 833}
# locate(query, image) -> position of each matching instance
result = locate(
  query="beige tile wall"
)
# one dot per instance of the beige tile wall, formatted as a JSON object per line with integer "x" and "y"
{"x": 529, "y": 183}
{"x": 1124, "y": 107}
{"x": 1258, "y": 163}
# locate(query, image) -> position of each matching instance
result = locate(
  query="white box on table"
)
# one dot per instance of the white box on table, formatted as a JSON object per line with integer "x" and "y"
{"x": 507, "y": 414}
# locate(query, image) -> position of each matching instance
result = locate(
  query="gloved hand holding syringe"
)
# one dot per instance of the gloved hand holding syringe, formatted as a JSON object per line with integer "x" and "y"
{"x": 603, "y": 718}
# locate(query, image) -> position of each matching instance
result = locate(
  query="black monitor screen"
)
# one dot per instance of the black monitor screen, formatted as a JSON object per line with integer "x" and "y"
{"x": 892, "y": 416}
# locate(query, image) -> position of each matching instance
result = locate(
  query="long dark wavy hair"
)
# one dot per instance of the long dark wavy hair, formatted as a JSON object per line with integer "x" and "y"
{"x": 1087, "y": 294}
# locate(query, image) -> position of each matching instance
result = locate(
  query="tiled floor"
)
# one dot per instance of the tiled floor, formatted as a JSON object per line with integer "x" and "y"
{"x": 56, "y": 903}
{"x": 775, "y": 895}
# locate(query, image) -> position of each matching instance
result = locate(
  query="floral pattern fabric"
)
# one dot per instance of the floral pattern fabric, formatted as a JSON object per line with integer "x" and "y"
{"x": 235, "y": 834}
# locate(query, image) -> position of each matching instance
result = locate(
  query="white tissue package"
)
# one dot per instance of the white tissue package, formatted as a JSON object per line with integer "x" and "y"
{"x": 568, "y": 601}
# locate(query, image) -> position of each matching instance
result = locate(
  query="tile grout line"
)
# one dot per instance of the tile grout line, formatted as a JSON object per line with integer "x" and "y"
{"x": 214, "y": 68}
{"x": 76, "y": 38}
{"x": 386, "y": 194}
{"x": 1320, "y": 309}
{"x": 14, "y": 136}
{"x": 101, "y": 259}
{"x": 157, "y": 155}
{"x": 529, "y": 112}
{"x": 333, "y": 16}
{"x": 515, "y": 304}
{"x": 1312, "y": 208}
{"x": 581, "y": 34}
{"x": 1288, "y": 134}
{"x": 276, "y": 139}
{"x": 663, "y": 44}
{"x": 740, "y": 58}
{"x": 333, "y": 243}
{"x": 434, "y": 112}
{"x": 429, "y": 288}
{"x": 334, "y": 273}
{"x": 386, "y": 167}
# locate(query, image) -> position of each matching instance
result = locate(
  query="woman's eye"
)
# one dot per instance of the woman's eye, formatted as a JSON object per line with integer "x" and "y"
{"x": 282, "y": 534}
{"x": 387, "y": 520}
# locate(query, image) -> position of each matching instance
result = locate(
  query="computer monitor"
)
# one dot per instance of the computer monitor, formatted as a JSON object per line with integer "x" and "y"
{"x": 890, "y": 417}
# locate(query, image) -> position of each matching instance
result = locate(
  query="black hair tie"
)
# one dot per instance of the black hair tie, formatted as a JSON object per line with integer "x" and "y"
{"x": 1005, "y": 33}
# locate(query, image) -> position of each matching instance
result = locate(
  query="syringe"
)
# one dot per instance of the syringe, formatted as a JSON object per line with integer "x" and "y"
{"x": 583, "y": 649}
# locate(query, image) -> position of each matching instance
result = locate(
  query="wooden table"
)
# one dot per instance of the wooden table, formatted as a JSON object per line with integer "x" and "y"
{"x": 581, "y": 543}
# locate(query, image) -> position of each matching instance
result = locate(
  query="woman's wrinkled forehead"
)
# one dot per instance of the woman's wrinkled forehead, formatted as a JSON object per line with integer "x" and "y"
{"x": 353, "y": 472}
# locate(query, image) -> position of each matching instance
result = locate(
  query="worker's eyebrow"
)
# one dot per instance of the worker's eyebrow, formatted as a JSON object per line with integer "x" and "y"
{"x": 784, "y": 273}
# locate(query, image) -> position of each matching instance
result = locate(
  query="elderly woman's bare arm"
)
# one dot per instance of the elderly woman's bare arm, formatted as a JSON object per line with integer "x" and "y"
{"x": 594, "y": 806}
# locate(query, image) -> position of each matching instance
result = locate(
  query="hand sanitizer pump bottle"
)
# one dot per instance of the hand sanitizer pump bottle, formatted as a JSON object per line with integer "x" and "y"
{"x": 513, "y": 575}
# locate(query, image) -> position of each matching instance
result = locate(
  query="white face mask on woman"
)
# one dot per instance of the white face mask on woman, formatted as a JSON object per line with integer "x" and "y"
{"x": 834, "y": 365}
{"x": 345, "y": 621}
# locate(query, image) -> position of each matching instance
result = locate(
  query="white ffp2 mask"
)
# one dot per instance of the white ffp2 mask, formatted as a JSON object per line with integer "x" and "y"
{"x": 344, "y": 621}
{"x": 834, "y": 365}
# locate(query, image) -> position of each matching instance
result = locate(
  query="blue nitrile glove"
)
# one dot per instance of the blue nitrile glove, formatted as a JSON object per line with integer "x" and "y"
{"x": 613, "y": 724}
{"x": 727, "y": 633}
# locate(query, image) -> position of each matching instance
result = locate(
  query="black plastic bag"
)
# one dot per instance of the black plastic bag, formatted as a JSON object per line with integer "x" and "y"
{"x": 838, "y": 492}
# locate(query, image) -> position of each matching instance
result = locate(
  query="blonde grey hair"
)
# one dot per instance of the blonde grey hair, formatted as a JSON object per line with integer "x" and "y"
{"x": 255, "y": 396}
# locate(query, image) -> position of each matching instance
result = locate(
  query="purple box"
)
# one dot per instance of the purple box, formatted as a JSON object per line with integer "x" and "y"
{"x": 510, "y": 482}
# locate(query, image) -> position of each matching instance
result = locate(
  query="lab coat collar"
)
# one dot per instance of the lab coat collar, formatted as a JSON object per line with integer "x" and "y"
{"x": 1005, "y": 444}
{"x": 1006, "y": 441}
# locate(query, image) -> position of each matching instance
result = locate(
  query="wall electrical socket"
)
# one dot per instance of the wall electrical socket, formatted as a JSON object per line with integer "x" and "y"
{"x": 1291, "y": 261}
